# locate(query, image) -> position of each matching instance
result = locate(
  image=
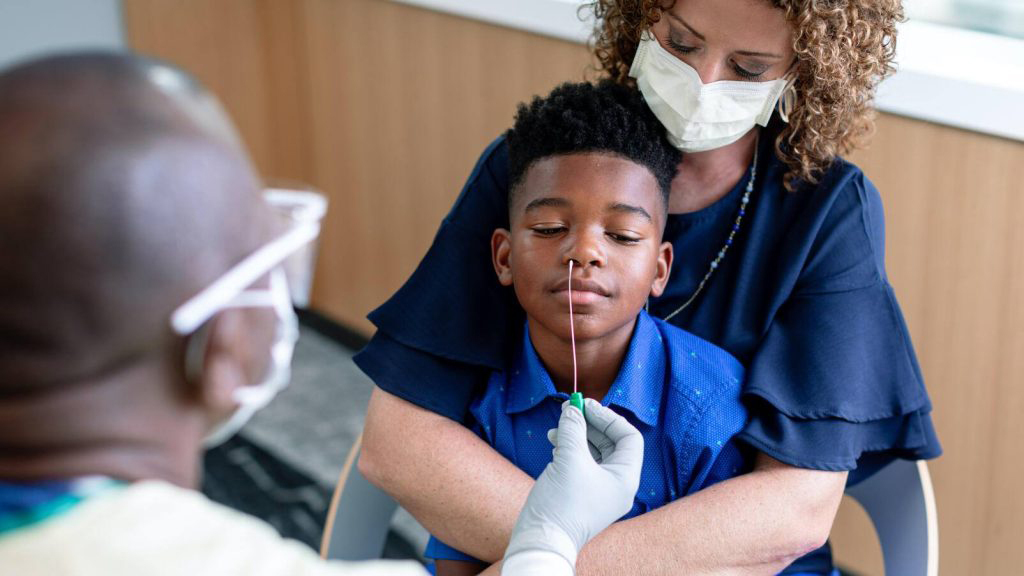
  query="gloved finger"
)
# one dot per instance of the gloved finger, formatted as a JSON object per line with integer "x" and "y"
{"x": 572, "y": 430}
{"x": 595, "y": 452}
{"x": 599, "y": 418}
{"x": 605, "y": 420}
{"x": 599, "y": 442}
{"x": 629, "y": 443}
{"x": 595, "y": 440}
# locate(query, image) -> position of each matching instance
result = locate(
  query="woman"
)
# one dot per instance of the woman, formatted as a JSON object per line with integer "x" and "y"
{"x": 779, "y": 247}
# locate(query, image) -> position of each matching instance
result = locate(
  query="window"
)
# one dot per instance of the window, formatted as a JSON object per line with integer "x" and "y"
{"x": 1002, "y": 17}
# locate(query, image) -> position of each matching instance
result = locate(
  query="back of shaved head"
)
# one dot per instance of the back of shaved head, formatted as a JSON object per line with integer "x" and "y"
{"x": 123, "y": 191}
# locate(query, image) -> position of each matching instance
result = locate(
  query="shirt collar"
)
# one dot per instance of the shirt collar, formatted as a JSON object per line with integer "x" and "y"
{"x": 529, "y": 383}
{"x": 637, "y": 388}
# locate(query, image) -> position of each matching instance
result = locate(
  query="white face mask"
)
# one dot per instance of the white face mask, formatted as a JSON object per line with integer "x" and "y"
{"x": 700, "y": 116}
{"x": 229, "y": 291}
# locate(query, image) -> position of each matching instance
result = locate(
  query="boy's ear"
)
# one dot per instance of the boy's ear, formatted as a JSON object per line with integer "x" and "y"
{"x": 501, "y": 251}
{"x": 664, "y": 268}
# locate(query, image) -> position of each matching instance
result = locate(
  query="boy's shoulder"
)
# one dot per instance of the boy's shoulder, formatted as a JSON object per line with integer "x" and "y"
{"x": 694, "y": 365}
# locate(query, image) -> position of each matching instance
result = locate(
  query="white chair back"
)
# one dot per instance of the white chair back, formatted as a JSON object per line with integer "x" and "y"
{"x": 901, "y": 504}
{"x": 359, "y": 517}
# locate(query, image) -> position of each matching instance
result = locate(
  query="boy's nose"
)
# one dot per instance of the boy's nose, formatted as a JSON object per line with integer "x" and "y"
{"x": 585, "y": 251}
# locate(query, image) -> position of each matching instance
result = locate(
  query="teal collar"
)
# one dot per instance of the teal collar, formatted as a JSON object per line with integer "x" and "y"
{"x": 26, "y": 504}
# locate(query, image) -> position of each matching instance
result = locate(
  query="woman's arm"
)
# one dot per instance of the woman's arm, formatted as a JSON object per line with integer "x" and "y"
{"x": 757, "y": 523}
{"x": 469, "y": 496}
{"x": 458, "y": 487}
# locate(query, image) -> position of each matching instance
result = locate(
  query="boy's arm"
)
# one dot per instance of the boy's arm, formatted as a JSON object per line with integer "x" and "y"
{"x": 756, "y": 523}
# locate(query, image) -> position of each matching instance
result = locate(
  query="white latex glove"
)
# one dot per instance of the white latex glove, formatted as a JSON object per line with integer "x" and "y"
{"x": 594, "y": 439}
{"x": 575, "y": 497}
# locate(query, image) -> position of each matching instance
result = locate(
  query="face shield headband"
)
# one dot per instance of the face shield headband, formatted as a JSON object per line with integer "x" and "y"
{"x": 233, "y": 290}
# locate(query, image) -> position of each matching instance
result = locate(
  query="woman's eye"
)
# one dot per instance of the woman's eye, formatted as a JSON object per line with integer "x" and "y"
{"x": 679, "y": 47}
{"x": 748, "y": 74}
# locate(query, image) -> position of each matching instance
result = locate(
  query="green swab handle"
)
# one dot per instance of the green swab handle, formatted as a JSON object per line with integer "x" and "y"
{"x": 576, "y": 399}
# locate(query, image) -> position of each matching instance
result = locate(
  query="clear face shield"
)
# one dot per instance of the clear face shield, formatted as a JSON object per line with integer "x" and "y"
{"x": 234, "y": 290}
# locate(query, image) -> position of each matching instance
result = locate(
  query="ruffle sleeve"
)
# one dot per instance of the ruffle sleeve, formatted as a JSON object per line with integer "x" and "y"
{"x": 835, "y": 379}
{"x": 835, "y": 383}
{"x": 453, "y": 306}
{"x": 448, "y": 326}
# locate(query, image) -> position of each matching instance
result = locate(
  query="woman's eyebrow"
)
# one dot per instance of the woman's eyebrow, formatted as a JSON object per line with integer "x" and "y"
{"x": 683, "y": 23}
{"x": 759, "y": 54}
{"x": 672, "y": 16}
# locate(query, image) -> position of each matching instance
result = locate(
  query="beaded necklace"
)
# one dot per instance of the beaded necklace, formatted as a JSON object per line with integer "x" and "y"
{"x": 728, "y": 241}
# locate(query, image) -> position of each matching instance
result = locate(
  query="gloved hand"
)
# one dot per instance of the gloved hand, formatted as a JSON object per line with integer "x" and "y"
{"x": 594, "y": 438}
{"x": 575, "y": 497}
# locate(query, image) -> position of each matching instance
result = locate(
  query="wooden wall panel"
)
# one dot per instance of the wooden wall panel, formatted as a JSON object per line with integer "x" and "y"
{"x": 248, "y": 52}
{"x": 954, "y": 219}
{"x": 404, "y": 101}
{"x": 385, "y": 108}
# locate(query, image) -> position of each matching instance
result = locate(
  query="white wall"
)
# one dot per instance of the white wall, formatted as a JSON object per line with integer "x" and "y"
{"x": 32, "y": 27}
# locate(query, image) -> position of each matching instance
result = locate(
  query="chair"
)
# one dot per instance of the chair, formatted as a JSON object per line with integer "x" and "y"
{"x": 359, "y": 516}
{"x": 901, "y": 504}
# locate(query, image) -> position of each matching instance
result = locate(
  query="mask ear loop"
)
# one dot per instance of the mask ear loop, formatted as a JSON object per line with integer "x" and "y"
{"x": 195, "y": 353}
{"x": 788, "y": 100}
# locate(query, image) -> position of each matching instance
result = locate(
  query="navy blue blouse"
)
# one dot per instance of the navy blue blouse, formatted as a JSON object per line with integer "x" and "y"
{"x": 801, "y": 299}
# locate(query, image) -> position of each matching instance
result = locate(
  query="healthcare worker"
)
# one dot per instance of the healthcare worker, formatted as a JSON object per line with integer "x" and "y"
{"x": 144, "y": 313}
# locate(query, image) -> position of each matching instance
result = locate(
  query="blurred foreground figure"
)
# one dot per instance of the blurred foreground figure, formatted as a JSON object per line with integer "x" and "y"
{"x": 143, "y": 314}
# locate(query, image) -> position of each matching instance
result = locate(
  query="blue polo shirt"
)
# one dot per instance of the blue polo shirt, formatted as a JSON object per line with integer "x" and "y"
{"x": 680, "y": 391}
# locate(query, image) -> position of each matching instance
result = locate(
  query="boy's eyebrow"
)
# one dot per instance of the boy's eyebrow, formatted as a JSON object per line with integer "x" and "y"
{"x": 629, "y": 209}
{"x": 546, "y": 202}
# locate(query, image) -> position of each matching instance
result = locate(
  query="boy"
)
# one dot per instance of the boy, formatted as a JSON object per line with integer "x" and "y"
{"x": 590, "y": 171}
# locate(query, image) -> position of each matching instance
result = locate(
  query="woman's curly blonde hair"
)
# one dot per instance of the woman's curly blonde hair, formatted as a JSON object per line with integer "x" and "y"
{"x": 843, "y": 49}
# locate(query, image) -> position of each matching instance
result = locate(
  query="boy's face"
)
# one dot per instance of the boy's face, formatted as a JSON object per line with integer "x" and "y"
{"x": 604, "y": 212}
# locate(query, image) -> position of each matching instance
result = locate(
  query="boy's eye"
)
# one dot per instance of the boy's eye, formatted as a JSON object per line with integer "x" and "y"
{"x": 623, "y": 238}
{"x": 548, "y": 230}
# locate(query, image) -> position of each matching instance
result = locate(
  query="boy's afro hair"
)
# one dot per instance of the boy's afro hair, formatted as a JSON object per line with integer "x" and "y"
{"x": 578, "y": 118}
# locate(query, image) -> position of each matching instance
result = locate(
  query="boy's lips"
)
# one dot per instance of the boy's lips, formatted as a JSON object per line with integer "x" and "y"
{"x": 584, "y": 291}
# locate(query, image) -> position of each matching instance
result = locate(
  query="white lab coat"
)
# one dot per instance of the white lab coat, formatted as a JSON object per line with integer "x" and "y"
{"x": 157, "y": 529}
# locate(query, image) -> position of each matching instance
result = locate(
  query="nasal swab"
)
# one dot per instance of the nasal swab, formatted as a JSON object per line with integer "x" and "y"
{"x": 576, "y": 399}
